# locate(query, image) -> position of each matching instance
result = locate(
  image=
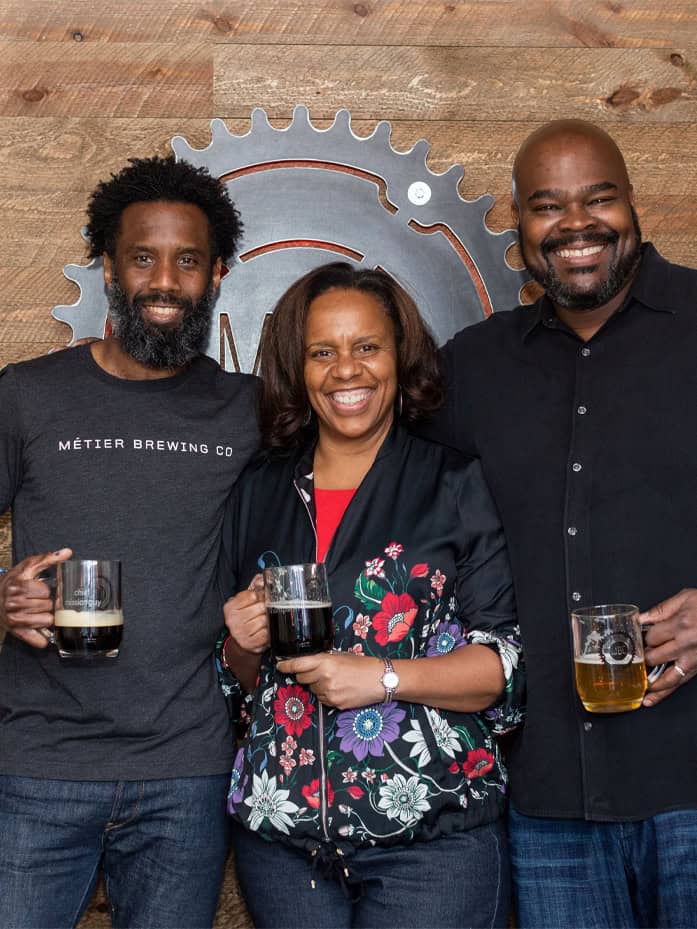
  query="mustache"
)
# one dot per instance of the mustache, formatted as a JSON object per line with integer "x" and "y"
{"x": 579, "y": 239}
{"x": 163, "y": 299}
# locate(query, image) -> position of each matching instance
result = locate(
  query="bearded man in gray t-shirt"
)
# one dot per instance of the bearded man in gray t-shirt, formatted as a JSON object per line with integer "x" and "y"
{"x": 124, "y": 449}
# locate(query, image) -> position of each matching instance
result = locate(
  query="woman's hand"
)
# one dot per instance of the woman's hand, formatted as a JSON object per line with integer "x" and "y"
{"x": 339, "y": 679}
{"x": 247, "y": 619}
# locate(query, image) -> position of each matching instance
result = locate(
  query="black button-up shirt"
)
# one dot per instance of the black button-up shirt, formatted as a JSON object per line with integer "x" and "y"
{"x": 590, "y": 450}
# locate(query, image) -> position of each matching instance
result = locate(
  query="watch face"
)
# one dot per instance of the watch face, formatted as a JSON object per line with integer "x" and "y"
{"x": 390, "y": 680}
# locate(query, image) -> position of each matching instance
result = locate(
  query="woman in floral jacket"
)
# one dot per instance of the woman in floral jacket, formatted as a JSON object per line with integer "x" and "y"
{"x": 393, "y": 786}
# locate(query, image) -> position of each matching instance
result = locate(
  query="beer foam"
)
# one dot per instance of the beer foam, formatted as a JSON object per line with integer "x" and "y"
{"x": 299, "y": 605}
{"x": 92, "y": 618}
{"x": 597, "y": 660}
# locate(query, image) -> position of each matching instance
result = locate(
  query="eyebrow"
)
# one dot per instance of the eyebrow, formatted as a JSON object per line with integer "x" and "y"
{"x": 553, "y": 193}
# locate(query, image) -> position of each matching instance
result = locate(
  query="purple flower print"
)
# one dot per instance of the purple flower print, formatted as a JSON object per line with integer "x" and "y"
{"x": 367, "y": 729}
{"x": 447, "y": 638}
{"x": 237, "y": 785}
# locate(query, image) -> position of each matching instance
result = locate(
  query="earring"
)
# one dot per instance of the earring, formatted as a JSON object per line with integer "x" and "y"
{"x": 400, "y": 403}
{"x": 307, "y": 418}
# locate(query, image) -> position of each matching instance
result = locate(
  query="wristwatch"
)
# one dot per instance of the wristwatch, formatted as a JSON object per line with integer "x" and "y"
{"x": 389, "y": 680}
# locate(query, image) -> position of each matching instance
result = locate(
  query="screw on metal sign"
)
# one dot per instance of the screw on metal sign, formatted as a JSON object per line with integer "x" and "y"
{"x": 309, "y": 196}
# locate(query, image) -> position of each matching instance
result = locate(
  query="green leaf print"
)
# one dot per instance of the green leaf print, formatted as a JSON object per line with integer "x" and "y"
{"x": 368, "y": 592}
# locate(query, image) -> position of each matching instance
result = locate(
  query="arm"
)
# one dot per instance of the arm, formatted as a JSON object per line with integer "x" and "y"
{"x": 467, "y": 680}
{"x": 247, "y": 621}
{"x": 672, "y": 638}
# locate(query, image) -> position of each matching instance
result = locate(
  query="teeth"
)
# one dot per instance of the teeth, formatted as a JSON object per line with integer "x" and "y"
{"x": 579, "y": 252}
{"x": 160, "y": 310}
{"x": 350, "y": 397}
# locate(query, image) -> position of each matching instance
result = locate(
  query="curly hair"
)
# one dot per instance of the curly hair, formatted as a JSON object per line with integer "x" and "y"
{"x": 151, "y": 179}
{"x": 284, "y": 399}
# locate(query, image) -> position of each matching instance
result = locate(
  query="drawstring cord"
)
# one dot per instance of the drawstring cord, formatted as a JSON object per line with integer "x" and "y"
{"x": 330, "y": 863}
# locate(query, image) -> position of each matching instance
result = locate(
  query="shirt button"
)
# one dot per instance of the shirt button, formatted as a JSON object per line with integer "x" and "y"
{"x": 582, "y": 410}
{"x": 572, "y": 530}
{"x": 576, "y": 466}
{"x": 576, "y": 596}
{"x": 588, "y": 726}
{"x": 585, "y": 351}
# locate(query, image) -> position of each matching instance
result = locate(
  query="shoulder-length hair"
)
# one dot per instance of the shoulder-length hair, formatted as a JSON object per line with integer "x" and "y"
{"x": 286, "y": 414}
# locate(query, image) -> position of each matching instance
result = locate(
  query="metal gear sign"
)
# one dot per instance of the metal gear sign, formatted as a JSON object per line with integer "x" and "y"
{"x": 309, "y": 196}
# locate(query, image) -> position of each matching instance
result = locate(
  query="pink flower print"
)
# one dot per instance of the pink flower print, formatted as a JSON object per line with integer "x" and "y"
{"x": 437, "y": 581}
{"x": 368, "y": 775}
{"x": 287, "y": 763}
{"x": 349, "y": 776}
{"x": 356, "y": 649}
{"x": 289, "y": 745}
{"x": 375, "y": 567}
{"x": 394, "y": 550}
{"x": 361, "y": 626}
{"x": 307, "y": 756}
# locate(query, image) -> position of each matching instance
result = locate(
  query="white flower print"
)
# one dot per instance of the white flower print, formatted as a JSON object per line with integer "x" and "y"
{"x": 509, "y": 653}
{"x": 269, "y": 802}
{"x": 419, "y": 747}
{"x": 446, "y": 737}
{"x": 403, "y": 799}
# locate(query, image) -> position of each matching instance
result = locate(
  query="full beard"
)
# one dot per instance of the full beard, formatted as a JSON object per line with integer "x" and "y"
{"x": 160, "y": 346}
{"x": 576, "y": 298}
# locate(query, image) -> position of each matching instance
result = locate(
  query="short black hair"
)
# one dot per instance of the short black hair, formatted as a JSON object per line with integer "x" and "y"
{"x": 156, "y": 179}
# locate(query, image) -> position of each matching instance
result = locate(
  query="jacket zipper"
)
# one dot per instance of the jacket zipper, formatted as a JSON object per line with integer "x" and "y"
{"x": 320, "y": 708}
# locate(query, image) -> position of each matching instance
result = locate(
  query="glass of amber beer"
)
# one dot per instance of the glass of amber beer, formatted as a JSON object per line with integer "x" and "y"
{"x": 609, "y": 657}
{"x": 88, "y": 619}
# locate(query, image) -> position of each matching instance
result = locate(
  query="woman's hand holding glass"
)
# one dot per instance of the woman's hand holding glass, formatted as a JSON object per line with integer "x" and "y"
{"x": 341, "y": 680}
{"x": 247, "y": 618}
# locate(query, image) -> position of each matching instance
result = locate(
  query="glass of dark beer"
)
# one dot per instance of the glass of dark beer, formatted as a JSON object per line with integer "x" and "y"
{"x": 609, "y": 657}
{"x": 88, "y": 619}
{"x": 300, "y": 610}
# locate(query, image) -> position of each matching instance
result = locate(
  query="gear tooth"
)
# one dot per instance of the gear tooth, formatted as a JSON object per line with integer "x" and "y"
{"x": 180, "y": 147}
{"x": 301, "y": 114}
{"x": 219, "y": 131}
{"x": 342, "y": 121}
{"x": 259, "y": 119}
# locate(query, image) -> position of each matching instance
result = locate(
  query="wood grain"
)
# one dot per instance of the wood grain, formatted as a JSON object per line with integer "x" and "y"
{"x": 105, "y": 80}
{"x": 73, "y": 154}
{"x": 541, "y": 23}
{"x": 603, "y": 85}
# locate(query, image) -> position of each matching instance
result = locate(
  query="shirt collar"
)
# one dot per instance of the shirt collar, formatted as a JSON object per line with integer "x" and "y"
{"x": 653, "y": 287}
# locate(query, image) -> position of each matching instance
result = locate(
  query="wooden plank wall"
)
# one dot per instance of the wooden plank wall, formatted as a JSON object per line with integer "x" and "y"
{"x": 85, "y": 85}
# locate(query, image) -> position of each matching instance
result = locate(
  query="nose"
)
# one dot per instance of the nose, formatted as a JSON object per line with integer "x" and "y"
{"x": 165, "y": 276}
{"x": 346, "y": 366}
{"x": 577, "y": 217}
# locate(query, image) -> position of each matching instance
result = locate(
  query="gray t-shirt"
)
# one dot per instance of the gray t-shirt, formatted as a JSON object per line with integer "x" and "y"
{"x": 139, "y": 471}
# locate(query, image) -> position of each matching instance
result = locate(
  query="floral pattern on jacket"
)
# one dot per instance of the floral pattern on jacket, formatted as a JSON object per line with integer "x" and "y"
{"x": 382, "y": 774}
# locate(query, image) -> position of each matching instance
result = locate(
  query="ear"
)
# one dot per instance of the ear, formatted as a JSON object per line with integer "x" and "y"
{"x": 215, "y": 272}
{"x": 515, "y": 213}
{"x": 630, "y": 194}
{"x": 108, "y": 270}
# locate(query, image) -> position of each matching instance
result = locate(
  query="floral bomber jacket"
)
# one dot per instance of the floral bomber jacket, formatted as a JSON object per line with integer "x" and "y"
{"x": 417, "y": 567}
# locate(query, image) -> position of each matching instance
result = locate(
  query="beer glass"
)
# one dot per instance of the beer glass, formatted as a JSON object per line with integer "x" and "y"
{"x": 609, "y": 657}
{"x": 88, "y": 620}
{"x": 300, "y": 609}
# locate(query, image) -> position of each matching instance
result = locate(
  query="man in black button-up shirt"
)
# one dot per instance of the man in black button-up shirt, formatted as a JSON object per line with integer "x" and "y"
{"x": 583, "y": 409}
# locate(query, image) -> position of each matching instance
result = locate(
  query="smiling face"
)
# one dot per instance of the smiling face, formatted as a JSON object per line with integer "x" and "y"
{"x": 161, "y": 282}
{"x": 350, "y": 365}
{"x": 579, "y": 234}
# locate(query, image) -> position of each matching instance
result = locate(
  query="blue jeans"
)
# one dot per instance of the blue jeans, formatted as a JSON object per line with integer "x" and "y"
{"x": 568, "y": 872}
{"x": 162, "y": 845}
{"x": 455, "y": 881}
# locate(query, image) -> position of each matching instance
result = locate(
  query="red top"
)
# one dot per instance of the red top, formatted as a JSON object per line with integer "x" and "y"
{"x": 330, "y": 506}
